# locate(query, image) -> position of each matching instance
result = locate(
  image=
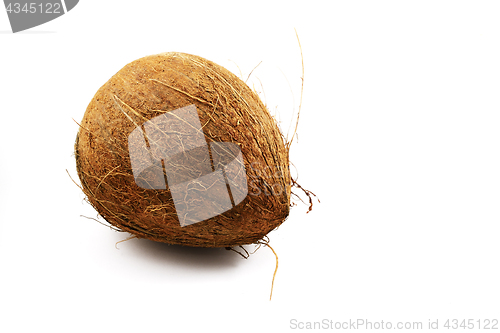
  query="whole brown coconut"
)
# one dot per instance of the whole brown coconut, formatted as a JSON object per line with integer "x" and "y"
{"x": 177, "y": 149}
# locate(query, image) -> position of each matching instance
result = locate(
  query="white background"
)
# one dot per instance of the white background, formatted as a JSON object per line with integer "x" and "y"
{"x": 398, "y": 136}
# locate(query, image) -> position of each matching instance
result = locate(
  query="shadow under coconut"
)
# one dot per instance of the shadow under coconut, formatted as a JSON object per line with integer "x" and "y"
{"x": 185, "y": 256}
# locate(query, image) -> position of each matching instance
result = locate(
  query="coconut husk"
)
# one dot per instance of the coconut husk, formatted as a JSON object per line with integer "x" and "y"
{"x": 229, "y": 111}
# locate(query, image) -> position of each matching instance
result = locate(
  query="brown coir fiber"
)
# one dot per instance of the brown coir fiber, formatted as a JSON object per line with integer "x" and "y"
{"x": 229, "y": 111}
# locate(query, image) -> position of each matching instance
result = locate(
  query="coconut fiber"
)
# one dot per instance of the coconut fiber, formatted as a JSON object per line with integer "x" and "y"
{"x": 229, "y": 112}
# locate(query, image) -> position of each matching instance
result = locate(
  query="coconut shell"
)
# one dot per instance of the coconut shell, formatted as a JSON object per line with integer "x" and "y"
{"x": 231, "y": 116}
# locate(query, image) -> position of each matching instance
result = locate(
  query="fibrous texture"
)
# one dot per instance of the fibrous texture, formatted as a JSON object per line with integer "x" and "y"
{"x": 177, "y": 149}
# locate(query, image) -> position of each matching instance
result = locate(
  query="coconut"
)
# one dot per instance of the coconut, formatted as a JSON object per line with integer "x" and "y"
{"x": 175, "y": 148}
